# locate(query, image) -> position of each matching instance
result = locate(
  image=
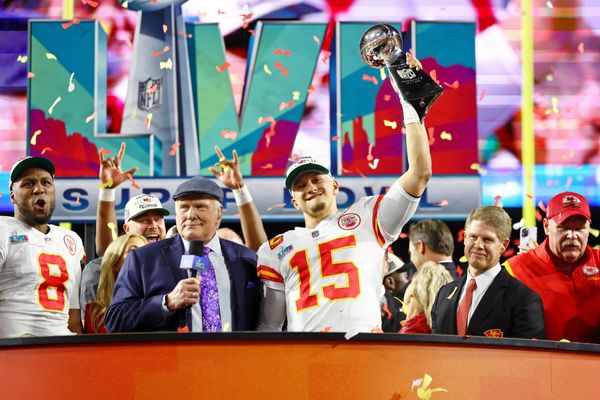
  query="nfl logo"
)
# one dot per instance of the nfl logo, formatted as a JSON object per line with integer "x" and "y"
{"x": 407, "y": 74}
{"x": 150, "y": 94}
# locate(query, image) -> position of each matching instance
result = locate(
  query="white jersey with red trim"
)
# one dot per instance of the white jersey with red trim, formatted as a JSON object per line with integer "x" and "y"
{"x": 39, "y": 279}
{"x": 332, "y": 274}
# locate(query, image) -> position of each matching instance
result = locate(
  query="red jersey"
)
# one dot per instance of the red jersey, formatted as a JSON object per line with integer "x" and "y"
{"x": 571, "y": 301}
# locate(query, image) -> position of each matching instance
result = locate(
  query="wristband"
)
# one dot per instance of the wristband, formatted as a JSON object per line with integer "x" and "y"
{"x": 106, "y": 194}
{"x": 242, "y": 196}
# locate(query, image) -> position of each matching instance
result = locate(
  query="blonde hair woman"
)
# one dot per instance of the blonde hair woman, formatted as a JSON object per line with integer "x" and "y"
{"x": 420, "y": 296}
{"x": 112, "y": 261}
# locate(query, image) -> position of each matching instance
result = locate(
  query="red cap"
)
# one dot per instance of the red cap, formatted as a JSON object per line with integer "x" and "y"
{"x": 567, "y": 204}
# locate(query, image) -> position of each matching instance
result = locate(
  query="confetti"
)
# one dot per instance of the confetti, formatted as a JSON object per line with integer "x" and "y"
{"x": 223, "y": 67}
{"x": 152, "y": 89}
{"x": 262, "y": 120}
{"x": 185, "y": 34}
{"x": 581, "y": 48}
{"x": 335, "y": 138}
{"x": 280, "y": 67}
{"x": 92, "y": 3}
{"x": 453, "y": 85}
{"x": 275, "y": 206}
{"x": 326, "y": 55}
{"x": 387, "y": 97}
{"x": 51, "y": 109}
{"x": 226, "y": 327}
{"x": 90, "y": 117}
{"x": 549, "y": 4}
{"x": 22, "y": 59}
{"x": 71, "y": 87}
{"x": 51, "y": 56}
{"x": 327, "y": 329}
{"x": 69, "y": 24}
{"x": 251, "y": 31}
{"x": 519, "y": 225}
{"x": 549, "y": 77}
{"x": 482, "y": 94}
{"x": 45, "y": 149}
{"x": 509, "y": 252}
{"x": 460, "y": 236}
{"x": 294, "y": 157}
{"x": 166, "y": 64}
{"x": 77, "y": 200}
{"x": 446, "y": 136}
{"x": 431, "y": 134}
{"x": 442, "y": 203}
{"x": 594, "y": 232}
{"x": 496, "y": 200}
{"x": 374, "y": 164}
{"x": 174, "y": 148}
{"x": 416, "y": 383}
{"x": 391, "y": 124}
{"x": 555, "y": 105}
{"x": 295, "y": 95}
{"x": 30, "y": 75}
{"x": 267, "y": 166}
{"x": 382, "y": 74}
{"x": 125, "y": 4}
{"x": 267, "y": 70}
{"x": 569, "y": 182}
{"x": 433, "y": 75}
{"x": 104, "y": 152}
{"x": 463, "y": 259}
{"x": 34, "y": 137}
{"x": 317, "y": 40}
{"x": 478, "y": 168}
{"x": 279, "y": 52}
{"x": 165, "y": 28}
{"x": 538, "y": 215}
{"x": 148, "y": 120}
{"x": 160, "y": 53}
{"x": 370, "y": 78}
{"x": 228, "y": 134}
{"x": 311, "y": 89}
{"x": 350, "y": 334}
{"x": 113, "y": 230}
{"x": 135, "y": 185}
{"x": 370, "y": 155}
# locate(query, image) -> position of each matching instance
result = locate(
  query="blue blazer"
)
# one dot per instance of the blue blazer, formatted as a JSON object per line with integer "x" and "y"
{"x": 152, "y": 271}
{"x": 508, "y": 309}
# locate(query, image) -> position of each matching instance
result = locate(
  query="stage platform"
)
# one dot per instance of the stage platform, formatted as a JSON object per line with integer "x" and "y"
{"x": 295, "y": 366}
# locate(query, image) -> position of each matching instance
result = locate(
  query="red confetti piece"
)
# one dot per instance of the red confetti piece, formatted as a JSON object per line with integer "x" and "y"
{"x": 227, "y": 134}
{"x": 453, "y": 85}
{"x": 251, "y": 32}
{"x": 327, "y": 329}
{"x": 433, "y": 75}
{"x": 482, "y": 95}
{"x": 69, "y": 24}
{"x": 387, "y": 97}
{"x": 30, "y": 75}
{"x": 541, "y": 206}
{"x": 90, "y": 3}
{"x": 262, "y": 120}
{"x": 403, "y": 235}
{"x": 496, "y": 200}
{"x": 509, "y": 252}
{"x": 279, "y": 52}
{"x": 135, "y": 185}
{"x": 430, "y": 133}
{"x": 538, "y": 215}
{"x": 152, "y": 88}
{"x": 267, "y": 166}
{"x": 442, "y": 203}
{"x": 223, "y": 67}
{"x": 280, "y": 67}
{"x": 326, "y": 55}
{"x": 294, "y": 157}
{"x": 160, "y": 53}
{"x": 246, "y": 16}
{"x": 311, "y": 89}
{"x": 285, "y": 105}
{"x": 275, "y": 206}
{"x": 370, "y": 78}
{"x": 104, "y": 152}
{"x": 174, "y": 148}
{"x": 45, "y": 149}
{"x": 335, "y": 138}
{"x": 460, "y": 236}
{"x": 386, "y": 310}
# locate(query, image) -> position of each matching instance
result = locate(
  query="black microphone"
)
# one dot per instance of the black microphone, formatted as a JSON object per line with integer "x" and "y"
{"x": 193, "y": 260}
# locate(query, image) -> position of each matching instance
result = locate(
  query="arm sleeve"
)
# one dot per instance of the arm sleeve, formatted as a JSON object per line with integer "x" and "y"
{"x": 268, "y": 268}
{"x": 272, "y": 310}
{"x": 74, "y": 295}
{"x": 395, "y": 209}
{"x": 528, "y": 319}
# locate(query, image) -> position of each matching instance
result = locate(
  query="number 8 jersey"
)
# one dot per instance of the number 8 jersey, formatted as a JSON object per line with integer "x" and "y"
{"x": 39, "y": 279}
{"x": 332, "y": 274}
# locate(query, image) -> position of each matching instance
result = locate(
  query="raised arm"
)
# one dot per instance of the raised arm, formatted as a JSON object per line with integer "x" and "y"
{"x": 229, "y": 175}
{"x": 111, "y": 175}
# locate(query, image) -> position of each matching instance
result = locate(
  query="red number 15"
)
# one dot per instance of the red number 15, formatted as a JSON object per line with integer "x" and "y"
{"x": 299, "y": 262}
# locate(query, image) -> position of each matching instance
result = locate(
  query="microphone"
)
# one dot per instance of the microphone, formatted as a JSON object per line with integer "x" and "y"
{"x": 193, "y": 261}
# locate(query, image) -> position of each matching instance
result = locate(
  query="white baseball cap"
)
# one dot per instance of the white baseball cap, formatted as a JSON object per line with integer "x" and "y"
{"x": 141, "y": 204}
{"x": 301, "y": 165}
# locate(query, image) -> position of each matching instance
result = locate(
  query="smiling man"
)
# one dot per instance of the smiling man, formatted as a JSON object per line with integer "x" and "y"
{"x": 153, "y": 293}
{"x": 39, "y": 263}
{"x": 487, "y": 301}
{"x": 565, "y": 271}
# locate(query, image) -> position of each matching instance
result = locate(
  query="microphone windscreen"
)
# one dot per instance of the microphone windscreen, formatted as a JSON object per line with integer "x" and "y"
{"x": 196, "y": 248}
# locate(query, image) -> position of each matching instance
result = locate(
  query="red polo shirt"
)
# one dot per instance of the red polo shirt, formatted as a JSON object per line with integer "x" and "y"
{"x": 571, "y": 301}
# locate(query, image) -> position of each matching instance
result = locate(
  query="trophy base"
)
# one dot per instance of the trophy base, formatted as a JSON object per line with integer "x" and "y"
{"x": 416, "y": 87}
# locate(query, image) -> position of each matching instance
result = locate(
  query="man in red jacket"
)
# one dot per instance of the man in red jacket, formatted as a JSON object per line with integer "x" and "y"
{"x": 565, "y": 271}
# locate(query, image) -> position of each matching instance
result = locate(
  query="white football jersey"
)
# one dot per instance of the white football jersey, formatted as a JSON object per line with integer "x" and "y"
{"x": 39, "y": 279}
{"x": 332, "y": 274}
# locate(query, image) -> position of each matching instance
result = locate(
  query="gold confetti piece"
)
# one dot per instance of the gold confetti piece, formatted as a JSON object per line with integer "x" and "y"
{"x": 549, "y": 77}
{"x": 423, "y": 391}
{"x": 148, "y": 120}
{"x": 165, "y": 28}
{"x": 594, "y": 232}
{"x": 446, "y": 136}
{"x": 478, "y": 168}
{"x": 391, "y": 124}
{"x": 382, "y": 74}
{"x": 51, "y": 109}
{"x": 519, "y": 225}
{"x": 267, "y": 70}
{"x": 226, "y": 327}
{"x": 71, "y": 84}
{"x": 565, "y": 340}
{"x": 90, "y": 117}
{"x": 166, "y": 64}
{"x": 295, "y": 95}
{"x": 22, "y": 59}
{"x": 51, "y": 56}
{"x": 452, "y": 294}
{"x": 34, "y": 137}
{"x": 555, "y": 105}
{"x": 125, "y": 4}
{"x": 107, "y": 184}
{"x": 463, "y": 259}
{"x": 113, "y": 230}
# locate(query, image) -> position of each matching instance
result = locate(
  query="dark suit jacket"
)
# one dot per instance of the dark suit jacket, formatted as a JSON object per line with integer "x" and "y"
{"x": 152, "y": 271}
{"x": 508, "y": 309}
{"x": 451, "y": 268}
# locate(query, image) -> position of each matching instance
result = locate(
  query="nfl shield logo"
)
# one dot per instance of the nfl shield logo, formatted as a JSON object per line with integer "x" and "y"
{"x": 407, "y": 73}
{"x": 150, "y": 94}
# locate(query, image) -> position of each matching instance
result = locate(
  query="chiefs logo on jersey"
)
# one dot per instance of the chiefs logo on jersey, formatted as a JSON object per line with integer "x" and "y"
{"x": 276, "y": 241}
{"x": 70, "y": 243}
{"x": 590, "y": 270}
{"x": 349, "y": 221}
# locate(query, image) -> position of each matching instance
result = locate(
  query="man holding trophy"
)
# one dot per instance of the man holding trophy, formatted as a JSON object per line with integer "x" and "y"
{"x": 327, "y": 276}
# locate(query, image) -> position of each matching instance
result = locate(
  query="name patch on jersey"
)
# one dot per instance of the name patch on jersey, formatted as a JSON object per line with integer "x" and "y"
{"x": 70, "y": 243}
{"x": 349, "y": 221}
{"x": 16, "y": 239}
{"x": 284, "y": 251}
{"x": 590, "y": 270}
{"x": 276, "y": 241}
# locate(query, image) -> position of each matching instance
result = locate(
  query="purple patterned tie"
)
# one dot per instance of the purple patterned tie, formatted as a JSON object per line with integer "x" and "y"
{"x": 209, "y": 296}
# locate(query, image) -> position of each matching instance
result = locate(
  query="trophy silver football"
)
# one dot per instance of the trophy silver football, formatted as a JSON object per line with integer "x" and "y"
{"x": 381, "y": 46}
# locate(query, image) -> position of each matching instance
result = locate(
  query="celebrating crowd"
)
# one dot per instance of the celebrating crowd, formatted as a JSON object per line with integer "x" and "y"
{"x": 332, "y": 275}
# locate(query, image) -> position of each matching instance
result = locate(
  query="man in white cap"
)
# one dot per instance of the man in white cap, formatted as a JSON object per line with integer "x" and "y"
{"x": 40, "y": 263}
{"x": 328, "y": 275}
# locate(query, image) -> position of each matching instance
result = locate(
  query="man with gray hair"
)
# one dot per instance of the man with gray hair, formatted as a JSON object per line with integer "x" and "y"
{"x": 487, "y": 301}
{"x": 431, "y": 240}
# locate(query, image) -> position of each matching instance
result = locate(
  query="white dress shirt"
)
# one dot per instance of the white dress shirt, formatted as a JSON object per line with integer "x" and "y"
{"x": 483, "y": 282}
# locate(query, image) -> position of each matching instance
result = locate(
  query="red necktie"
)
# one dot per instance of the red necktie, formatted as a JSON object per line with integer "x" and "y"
{"x": 462, "y": 314}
